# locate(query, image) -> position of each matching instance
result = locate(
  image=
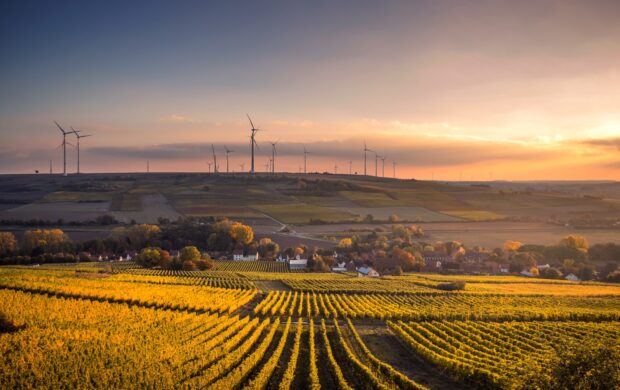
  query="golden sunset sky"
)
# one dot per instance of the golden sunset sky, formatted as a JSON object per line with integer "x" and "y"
{"x": 450, "y": 90}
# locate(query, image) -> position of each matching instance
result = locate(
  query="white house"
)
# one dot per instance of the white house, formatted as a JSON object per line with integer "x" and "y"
{"x": 572, "y": 277}
{"x": 527, "y": 274}
{"x": 367, "y": 272}
{"x": 239, "y": 256}
{"x": 297, "y": 263}
{"x": 340, "y": 267}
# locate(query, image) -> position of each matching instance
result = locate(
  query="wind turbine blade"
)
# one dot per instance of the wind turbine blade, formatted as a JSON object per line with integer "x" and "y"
{"x": 61, "y": 129}
{"x": 248, "y": 115}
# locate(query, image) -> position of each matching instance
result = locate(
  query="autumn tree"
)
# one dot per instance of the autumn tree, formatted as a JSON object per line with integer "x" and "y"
{"x": 512, "y": 246}
{"x": 189, "y": 253}
{"x": 574, "y": 241}
{"x": 345, "y": 244}
{"x": 267, "y": 248}
{"x": 242, "y": 234}
{"x": 44, "y": 240}
{"x": 8, "y": 243}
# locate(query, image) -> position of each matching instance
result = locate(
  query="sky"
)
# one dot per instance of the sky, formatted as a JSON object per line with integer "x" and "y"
{"x": 445, "y": 90}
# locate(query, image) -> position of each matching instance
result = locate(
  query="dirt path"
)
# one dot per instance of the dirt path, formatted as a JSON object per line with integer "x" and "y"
{"x": 270, "y": 285}
{"x": 388, "y": 348}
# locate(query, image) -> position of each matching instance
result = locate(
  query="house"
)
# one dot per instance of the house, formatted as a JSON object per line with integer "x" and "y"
{"x": 340, "y": 267}
{"x": 238, "y": 255}
{"x": 572, "y": 277}
{"x": 504, "y": 268}
{"x": 543, "y": 267}
{"x": 432, "y": 266}
{"x": 298, "y": 263}
{"x": 351, "y": 266}
{"x": 527, "y": 274}
{"x": 367, "y": 272}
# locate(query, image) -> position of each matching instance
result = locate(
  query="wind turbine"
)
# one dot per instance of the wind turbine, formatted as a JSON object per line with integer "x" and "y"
{"x": 335, "y": 168}
{"x": 267, "y": 165}
{"x": 394, "y": 169}
{"x": 382, "y": 166}
{"x": 377, "y": 157}
{"x": 214, "y": 159}
{"x": 64, "y": 148}
{"x": 252, "y": 142}
{"x": 350, "y": 167}
{"x": 366, "y": 150}
{"x": 78, "y": 136}
{"x": 209, "y": 163}
{"x": 242, "y": 165}
{"x": 306, "y": 153}
{"x": 228, "y": 151}
{"x": 273, "y": 156}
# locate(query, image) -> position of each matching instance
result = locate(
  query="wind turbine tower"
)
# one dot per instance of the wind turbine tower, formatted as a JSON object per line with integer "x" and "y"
{"x": 365, "y": 151}
{"x": 350, "y": 167}
{"x": 383, "y": 166}
{"x": 228, "y": 151}
{"x": 377, "y": 157}
{"x": 273, "y": 156}
{"x": 64, "y": 149}
{"x": 78, "y": 136}
{"x": 252, "y": 142}
{"x": 214, "y": 159}
{"x": 306, "y": 153}
{"x": 394, "y": 169}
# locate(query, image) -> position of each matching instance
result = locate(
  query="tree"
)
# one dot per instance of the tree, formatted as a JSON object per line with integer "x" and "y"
{"x": 345, "y": 243}
{"x": 582, "y": 365}
{"x": 511, "y": 246}
{"x": 551, "y": 273}
{"x": 8, "y": 243}
{"x": 189, "y": 253}
{"x": 44, "y": 240}
{"x": 576, "y": 242}
{"x": 393, "y": 218}
{"x": 149, "y": 257}
{"x": 242, "y": 234}
{"x": 267, "y": 248}
{"x": 189, "y": 265}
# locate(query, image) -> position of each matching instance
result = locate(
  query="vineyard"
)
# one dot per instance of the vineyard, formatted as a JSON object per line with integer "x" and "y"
{"x": 91, "y": 325}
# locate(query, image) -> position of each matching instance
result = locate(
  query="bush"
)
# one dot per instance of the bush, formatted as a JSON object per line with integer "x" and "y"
{"x": 452, "y": 286}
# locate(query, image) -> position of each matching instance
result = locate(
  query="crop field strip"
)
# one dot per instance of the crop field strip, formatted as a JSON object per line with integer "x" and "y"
{"x": 491, "y": 354}
{"x": 424, "y": 307}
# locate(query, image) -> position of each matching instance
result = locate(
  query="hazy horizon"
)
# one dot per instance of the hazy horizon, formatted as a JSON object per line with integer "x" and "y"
{"x": 451, "y": 91}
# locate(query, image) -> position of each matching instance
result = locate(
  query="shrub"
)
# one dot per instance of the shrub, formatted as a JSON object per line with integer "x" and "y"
{"x": 452, "y": 286}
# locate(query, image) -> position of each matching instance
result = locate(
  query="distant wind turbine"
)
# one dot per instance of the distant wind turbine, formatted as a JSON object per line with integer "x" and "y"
{"x": 242, "y": 165}
{"x": 79, "y": 136}
{"x": 306, "y": 153}
{"x": 64, "y": 148}
{"x": 273, "y": 156}
{"x": 228, "y": 151}
{"x": 214, "y": 159}
{"x": 335, "y": 168}
{"x": 377, "y": 157}
{"x": 350, "y": 167}
{"x": 366, "y": 150}
{"x": 209, "y": 163}
{"x": 383, "y": 166}
{"x": 394, "y": 169}
{"x": 252, "y": 142}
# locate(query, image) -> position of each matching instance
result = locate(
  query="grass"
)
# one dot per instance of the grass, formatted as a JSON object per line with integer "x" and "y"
{"x": 69, "y": 196}
{"x": 300, "y": 213}
{"x": 475, "y": 215}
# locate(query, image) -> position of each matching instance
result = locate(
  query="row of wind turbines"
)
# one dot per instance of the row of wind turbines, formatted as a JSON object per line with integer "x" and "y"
{"x": 270, "y": 166}
{"x": 64, "y": 143}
